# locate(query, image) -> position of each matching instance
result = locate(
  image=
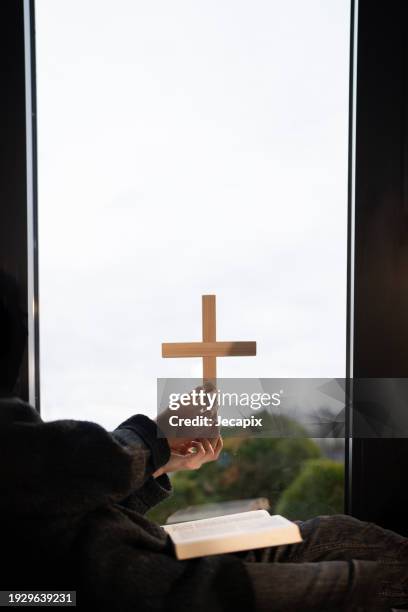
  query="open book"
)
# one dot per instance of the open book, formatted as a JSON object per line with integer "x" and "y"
{"x": 231, "y": 533}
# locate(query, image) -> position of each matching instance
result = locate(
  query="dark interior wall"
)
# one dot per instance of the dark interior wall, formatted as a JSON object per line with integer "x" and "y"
{"x": 13, "y": 185}
{"x": 13, "y": 247}
{"x": 380, "y": 466}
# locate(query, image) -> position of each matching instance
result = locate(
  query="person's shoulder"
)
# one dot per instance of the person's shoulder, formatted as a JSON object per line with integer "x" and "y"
{"x": 19, "y": 417}
{"x": 78, "y": 433}
{"x": 14, "y": 410}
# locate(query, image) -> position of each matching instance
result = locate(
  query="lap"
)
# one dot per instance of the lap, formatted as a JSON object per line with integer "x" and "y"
{"x": 340, "y": 560}
{"x": 338, "y": 538}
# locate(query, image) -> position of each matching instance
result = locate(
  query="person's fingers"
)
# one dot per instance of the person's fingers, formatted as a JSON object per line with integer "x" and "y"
{"x": 208, "y": 452}
{"x": 181, "y": 447}
{"x": 213, "y": 449}
{"x": 208, "y": 447}
{"x": 218, "y": 447}
{"x": 199, "y": 448}
{"x": 196, "y": 457}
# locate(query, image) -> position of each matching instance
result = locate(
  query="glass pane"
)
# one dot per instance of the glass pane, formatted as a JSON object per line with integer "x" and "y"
{"x": 189, "y": 148}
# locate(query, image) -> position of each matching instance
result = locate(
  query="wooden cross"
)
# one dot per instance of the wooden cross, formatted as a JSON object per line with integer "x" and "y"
{"x": 209, "y": 349}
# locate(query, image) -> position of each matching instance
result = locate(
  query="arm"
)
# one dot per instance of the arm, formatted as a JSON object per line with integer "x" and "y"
{"x": 140, "y": 432}
{"x": 65, "y": 467}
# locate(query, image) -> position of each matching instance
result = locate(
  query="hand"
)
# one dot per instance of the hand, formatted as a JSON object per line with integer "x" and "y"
{"x": 200, "y": 452}
{"x": 181, "y": 443}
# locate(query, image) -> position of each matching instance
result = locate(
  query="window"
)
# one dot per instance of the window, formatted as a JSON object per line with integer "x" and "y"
{"x": 189, "y": 148}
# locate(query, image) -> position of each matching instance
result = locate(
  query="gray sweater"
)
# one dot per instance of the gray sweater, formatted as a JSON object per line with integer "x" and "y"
{"x": 71, "y": 517}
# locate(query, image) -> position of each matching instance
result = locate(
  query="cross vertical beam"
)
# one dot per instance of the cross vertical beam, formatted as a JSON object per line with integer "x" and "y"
{"x": 209, "y": 335}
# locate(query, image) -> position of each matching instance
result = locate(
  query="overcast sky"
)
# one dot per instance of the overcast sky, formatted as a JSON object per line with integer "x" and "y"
{"x": 188, "y": 147}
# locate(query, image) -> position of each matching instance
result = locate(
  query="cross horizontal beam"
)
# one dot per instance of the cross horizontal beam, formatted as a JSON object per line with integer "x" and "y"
{"x": 208, "y": 349}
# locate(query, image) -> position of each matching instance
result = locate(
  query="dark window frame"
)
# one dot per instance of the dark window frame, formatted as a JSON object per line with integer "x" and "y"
{"x": 377, "y": 476}
{"x": 18, "y": 185}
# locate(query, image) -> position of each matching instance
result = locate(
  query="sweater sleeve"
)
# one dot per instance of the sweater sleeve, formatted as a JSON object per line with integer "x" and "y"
{"x": 141, "y": 432}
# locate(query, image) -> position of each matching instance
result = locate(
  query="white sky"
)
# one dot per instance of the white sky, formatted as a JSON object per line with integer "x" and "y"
{"x": 188, "y": 147}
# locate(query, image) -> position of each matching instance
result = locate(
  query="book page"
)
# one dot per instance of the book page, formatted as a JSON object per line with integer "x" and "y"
{"x": 245, "y": 522}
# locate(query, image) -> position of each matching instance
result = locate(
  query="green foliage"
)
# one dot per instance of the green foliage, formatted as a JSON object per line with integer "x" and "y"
{"x": 318, "y": 489}
{"x": 264, "y": 467}
{"x": 248, "y": 467}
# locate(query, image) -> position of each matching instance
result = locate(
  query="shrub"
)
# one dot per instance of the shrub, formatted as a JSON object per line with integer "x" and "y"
{"x": 318, "y": 489}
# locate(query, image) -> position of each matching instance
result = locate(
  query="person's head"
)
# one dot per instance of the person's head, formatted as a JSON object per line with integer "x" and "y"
{"x": 13, "y": 332}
